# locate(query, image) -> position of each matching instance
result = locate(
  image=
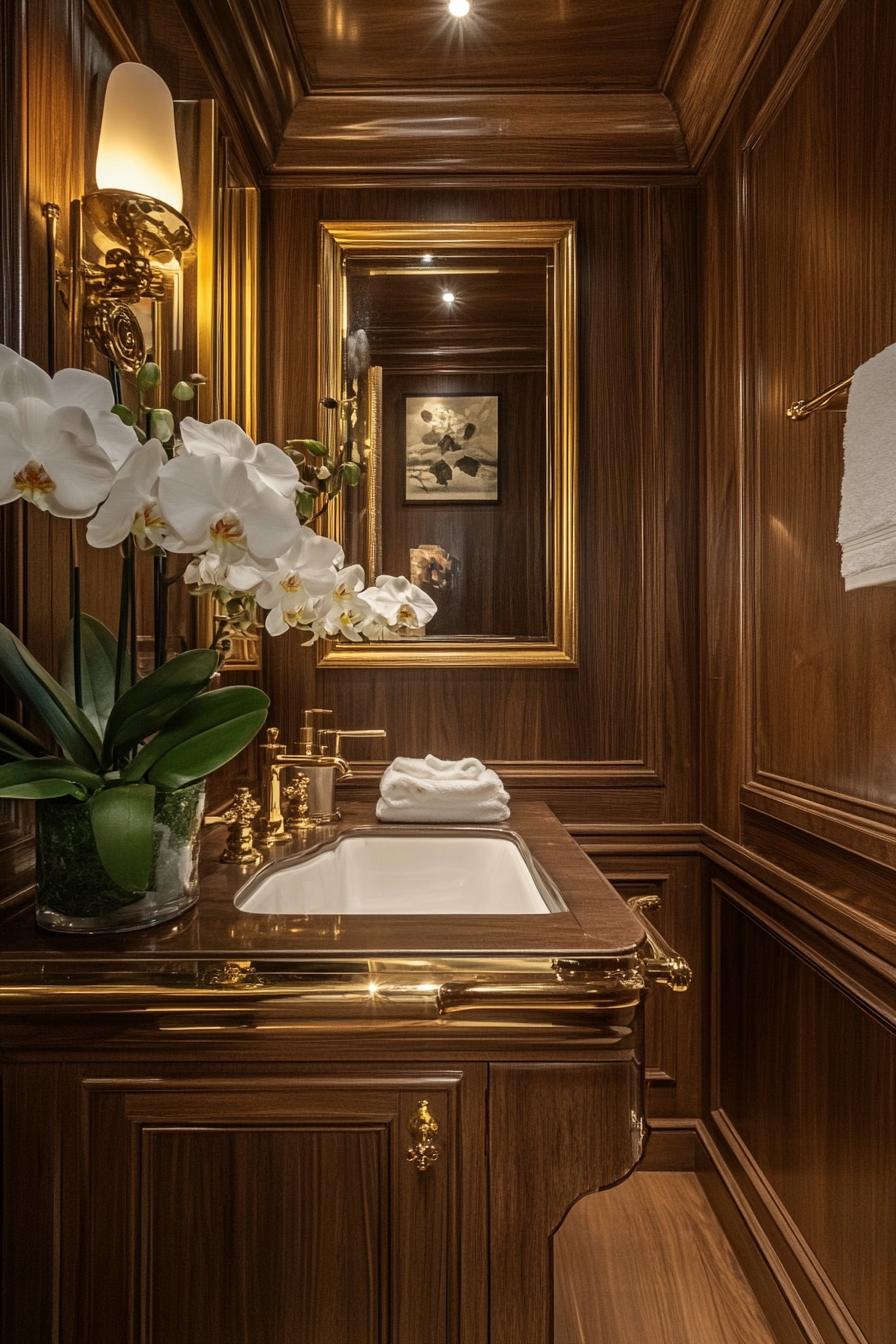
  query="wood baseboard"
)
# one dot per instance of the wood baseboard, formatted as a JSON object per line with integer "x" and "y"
{"x": 798, "y": 1298}
{"x": 811, "y": 1296}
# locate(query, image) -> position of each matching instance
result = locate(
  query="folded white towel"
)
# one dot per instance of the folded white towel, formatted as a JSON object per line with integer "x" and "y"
{"x": 431, "y": 790}
{"x": 867, "y": 532}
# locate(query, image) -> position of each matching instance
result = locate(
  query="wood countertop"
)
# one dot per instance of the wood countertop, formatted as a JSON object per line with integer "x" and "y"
{"x": 596, "y": 924}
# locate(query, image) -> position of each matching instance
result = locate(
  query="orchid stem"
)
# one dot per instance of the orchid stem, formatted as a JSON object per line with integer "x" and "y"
{"x": 76, "y": 614}
{"x": 76, "y": 635}
{"x": 132, "y": 603}
{"x": 160, "y": 607}
{"x": 121, "y": 654}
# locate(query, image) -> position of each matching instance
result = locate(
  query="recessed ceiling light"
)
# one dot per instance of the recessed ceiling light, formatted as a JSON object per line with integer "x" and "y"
{"x": 448, "y": 297}
{"x": 458, "y": 8}
{"x": 426, "y": 258}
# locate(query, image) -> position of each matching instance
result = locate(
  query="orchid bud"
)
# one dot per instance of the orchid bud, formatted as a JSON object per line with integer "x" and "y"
{"x": 148, "y": 377}
{"x": 161, "y": 425}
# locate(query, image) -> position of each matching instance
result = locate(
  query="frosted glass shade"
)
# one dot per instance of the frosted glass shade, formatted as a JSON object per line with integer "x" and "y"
{"x": 137, "y": 152}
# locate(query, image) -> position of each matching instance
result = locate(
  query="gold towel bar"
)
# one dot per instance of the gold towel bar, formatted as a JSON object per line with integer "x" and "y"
{"x": 801, "y": 410}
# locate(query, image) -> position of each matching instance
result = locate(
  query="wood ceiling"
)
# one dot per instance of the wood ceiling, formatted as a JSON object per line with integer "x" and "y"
{"x": 565, "y": 91}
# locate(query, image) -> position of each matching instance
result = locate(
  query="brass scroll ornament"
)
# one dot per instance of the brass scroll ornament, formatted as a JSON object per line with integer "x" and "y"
{"x": 423, "y": 1125}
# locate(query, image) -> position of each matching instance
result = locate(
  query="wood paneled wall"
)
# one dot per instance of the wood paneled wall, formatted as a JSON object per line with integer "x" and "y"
{"x": 798, "y": 687}
{"x": 614, "y": 738}
{"x": 56, "y": 56}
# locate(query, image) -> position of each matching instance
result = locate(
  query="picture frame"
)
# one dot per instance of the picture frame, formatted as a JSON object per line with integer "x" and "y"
{"x": 452, "y": 446}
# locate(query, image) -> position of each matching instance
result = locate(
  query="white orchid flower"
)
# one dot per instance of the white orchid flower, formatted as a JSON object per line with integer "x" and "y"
{"x": 295, "y": 600}
{"x": 132, "y": 508}
{"x": 346, "y": 617}
{"x": 223, "y": 504}
{"x": 20, "y": 381}
{"x": 348, "y": 584}
{"x": 376, "y": 630}
{"x": 225, "y": 438}
{"x": 206, "y": 573}
{"x": 399, "y": 604}
{"x": 52, "y": 459}
{"x": 303, "y": 585}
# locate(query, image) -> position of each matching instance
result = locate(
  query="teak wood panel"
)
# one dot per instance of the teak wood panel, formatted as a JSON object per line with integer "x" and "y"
{"x": 674, "y": 1024}
{"x": 542, "y": 1158}
{"x": 637, "y": 500}
{"x": 816, "y": 232}
{"x": 798, "y": 680}
{"x": 807, "y": 1078}
{"x": 244, "y": 1211}
{"x": 551, "y": 136}
{"x": 520, "y": 44}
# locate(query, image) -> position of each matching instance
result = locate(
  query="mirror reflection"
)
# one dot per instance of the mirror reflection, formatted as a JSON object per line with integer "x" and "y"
{"x": 448, "y": 356}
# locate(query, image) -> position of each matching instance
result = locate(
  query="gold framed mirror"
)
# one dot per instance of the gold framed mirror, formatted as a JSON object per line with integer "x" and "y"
{"x": 448, "y": 356}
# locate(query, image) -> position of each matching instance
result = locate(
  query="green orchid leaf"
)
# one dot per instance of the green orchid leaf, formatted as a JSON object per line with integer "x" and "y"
{"x": 27, "y": 779}
{"x": 17, "y": 742}
{"x": 99, "y": 651}
{"x": 45, "y": 788}
{"x": 122, "y": 821}
{"x": 313, "y": 446}
{"x": 198, "y": 756}
{"x": 213, "y": 709}
{"x": 146, "y": 707}
{"x": 51, "y": 703}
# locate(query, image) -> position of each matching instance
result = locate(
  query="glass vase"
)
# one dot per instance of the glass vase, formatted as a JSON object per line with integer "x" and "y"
{"x": 75, "y": 893}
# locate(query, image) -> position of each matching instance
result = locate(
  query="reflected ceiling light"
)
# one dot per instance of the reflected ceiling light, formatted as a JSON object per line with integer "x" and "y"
{"x": 458, "y": 8}
{"x": 448, "y": 296}
{"x": 426, "y": 258}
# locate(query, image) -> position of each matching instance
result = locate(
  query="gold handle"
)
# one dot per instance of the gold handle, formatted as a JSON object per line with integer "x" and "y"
{"x": 423, "y": 1126}
{"x": 239, "y": 815}
{"x": 338, "y": 735}
{"x": 663, "y": 964}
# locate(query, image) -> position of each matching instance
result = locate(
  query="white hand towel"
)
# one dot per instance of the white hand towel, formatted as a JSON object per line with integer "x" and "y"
{"x": 431, "y": 790}
{"x": 867, "y": 532}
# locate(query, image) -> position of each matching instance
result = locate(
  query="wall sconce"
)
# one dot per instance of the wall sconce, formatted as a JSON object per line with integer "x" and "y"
{"x": 133, "y": 218}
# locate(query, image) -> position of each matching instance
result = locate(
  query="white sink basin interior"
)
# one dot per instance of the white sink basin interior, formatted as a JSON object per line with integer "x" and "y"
{"x": 412, "y": 870}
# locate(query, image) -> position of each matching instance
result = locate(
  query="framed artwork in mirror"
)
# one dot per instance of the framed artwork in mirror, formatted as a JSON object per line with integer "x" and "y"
{"x": 451, "y": 449}
{"x": 462, "y": 417}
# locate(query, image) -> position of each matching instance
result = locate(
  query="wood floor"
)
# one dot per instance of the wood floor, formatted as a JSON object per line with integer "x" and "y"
{"x": 648, "y": 1263}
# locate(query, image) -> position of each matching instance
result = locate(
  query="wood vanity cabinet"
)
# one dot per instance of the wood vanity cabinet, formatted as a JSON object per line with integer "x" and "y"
{"x": 203, "y": 1151}
{"x": 262, "y": 1204}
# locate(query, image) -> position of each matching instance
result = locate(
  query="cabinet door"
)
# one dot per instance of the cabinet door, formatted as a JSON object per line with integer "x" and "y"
{"x": 270, "y": 1210}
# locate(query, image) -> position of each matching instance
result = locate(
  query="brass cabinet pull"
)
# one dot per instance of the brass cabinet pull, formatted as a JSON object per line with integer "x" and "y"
{"x": 423, "y": 1125}
{"x": 663, "y": 964}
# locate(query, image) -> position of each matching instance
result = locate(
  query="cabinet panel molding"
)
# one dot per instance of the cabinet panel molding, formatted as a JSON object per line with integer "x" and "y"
{"x": 285, "y": 1202}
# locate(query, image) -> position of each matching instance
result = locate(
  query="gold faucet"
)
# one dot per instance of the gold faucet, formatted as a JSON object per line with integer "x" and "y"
{"x": 270, "y": 828}
{"x": 320, "y": 765}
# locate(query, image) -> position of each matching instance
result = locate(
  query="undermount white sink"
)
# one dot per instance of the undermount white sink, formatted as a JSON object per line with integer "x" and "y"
{"x": 406, "y": 871}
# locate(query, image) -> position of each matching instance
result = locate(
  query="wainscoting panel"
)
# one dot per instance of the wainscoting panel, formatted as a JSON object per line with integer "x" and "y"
{"x": 806, "y": 1081}
{"x": 628, "y": 706}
